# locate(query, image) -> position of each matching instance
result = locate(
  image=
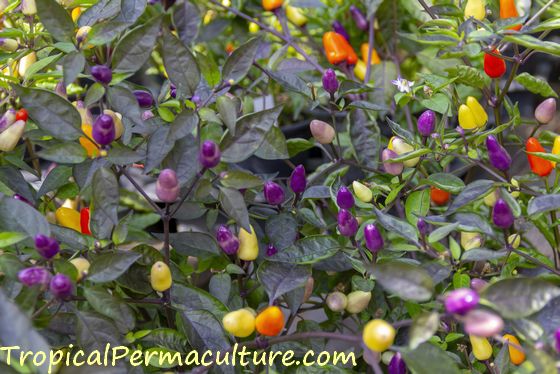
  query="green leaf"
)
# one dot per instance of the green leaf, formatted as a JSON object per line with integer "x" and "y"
{"x": 233, "y": 204}
{"x": 103, "y": 9}
{"x": 228, "y": 109}
{"x": 17, "y": 216}
{"x": 298, "y": 145}
{"x": 56, "y": 178}
{"x": 519, "y": 297}
{"x": 366, "y": 105}
{"x": 469, "y": 75}
{"x": 134, "y": 49}
{"x": 40, "y": 65}
{"x": 282, "y": 230}
{"x": 529, "y": 41}
{"x": 105, "y": 201}
{"x": 109, "y": 266}
{"x": 240, "y": 179}
{"x": 548, "y": 24}
{"x": 121, "y": 155}
{"x": 274, "y": 146}
{"x": 423, "y": 328}
{"x": 95, "y": 92}
{"x": 427, "y": 358}
{"x": 470, "y": 193}
{"x": 442, "y": 232}
{"x": 417, "y": 205}
{"x": 308, "y": 250}
{"x": 10, "y": 238}
{"x": 220, "y": 286}
{"x": 461, "y": 280}
{"x": 240, "y": 61}
{"x": 72, "y": 65}
{"x": 535, "y": 85}
{"x": 291, "y": 82}
{"x": 402, "y": 228}
{"x": 180, "y": 65}
{"x": 447, "y": 182}
{"x": 64, "y": 153}
{"x": 544, "y": 203}
{"x": 365, "y": 138}
{"x": 188, "y": 298}
{"x": 51, "y": 112}
{"x": 279, "y": 278}
{"x": 407, "y": 281}
{"x": 251, "y": 130}
{"x": 203, "y": 330}
{"x": 400, "y": 131}
{"x": 193, "y": 243}
{"x": 56, "y": 20}
{"x": 439, "y": 103}
{"x": 110, "y": 306}
{"x": 482, "y": 254}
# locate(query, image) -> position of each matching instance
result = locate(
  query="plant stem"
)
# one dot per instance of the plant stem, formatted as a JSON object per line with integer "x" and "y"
{"x": 166, "y": 298}
{"x": 190, "y": 189}
{"x": 141, "y": 190}
{"x": 556, "y": 250}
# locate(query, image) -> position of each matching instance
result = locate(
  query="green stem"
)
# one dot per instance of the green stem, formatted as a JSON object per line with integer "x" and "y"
{"x": 555, "y": 250}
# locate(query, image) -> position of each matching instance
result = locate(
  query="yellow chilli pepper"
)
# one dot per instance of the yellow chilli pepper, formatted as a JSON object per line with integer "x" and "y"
{"x": 478, "y": 111}
{"x": 69, "y": 218}
{"x": 472, "y": 115}
{"x": 475, "y": 9}
{"x": 556, "y": 149}
{"x": 516, "y": 356}
{"x": 374, "y": 56}
{"x": 400, "y": 147}
{"x": 253, "y": 28}
{"x": 360, "y": 70}
{"x": 248, "y": 245}
{"x": 76, "y": 12}
{"x": 481, "y": 348}
{"x": 160, "y": 276}
{"x": 296, "y": 16}
{"x": 25, "y": 62}
{"x": 362, "y": 192}
{"x": 91, "y": 148}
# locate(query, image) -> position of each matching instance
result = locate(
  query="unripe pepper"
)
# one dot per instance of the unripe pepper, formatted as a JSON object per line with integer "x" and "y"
{"x": 322, "y": 132}
{"x": 76, "y": 13}
{"x": 400, "y": 147}
{"x": 516, "y": 356}
{"x": 360, "y": 70}
{"x": 508, "y": 10}
{"x": 81, "y": 265}
{"x": 240, "y": 323}
{"x": 545, "y": 111}
{"x": 378, "y": 335}
{"x": 102, "y": 74}
{"x": 481, "y": 348}
{"x": 273, "y": 193}
{"x": 494, "y": 66}
{"x": 337, "y": 301}
{"x": 271, "y": 5}
{"x": 475, "y": 9}
{"x": 461, "y": 300}
{"x": 539, "y": 166}
{"x": 144, "y": 98}
{"x": 69, "y": 218}
{"x": 298, "y": 181}
{"x": 363, "y": 193}
{"x": 227, "y": 240}
{"x": 253, "y": 29}
{"x": 61, "y": 286}
{"x": 338, "y": 49}
{"x": 339, "y": 29}
{"x": 82, "y": 34}
{"x": 358, "y": 301}
{"x": 167, "y": 186}
{"x": 28, "y": 7}
{"x": 10, "y": 137}
{"x": 397, "y": 364}
{"x": 160, "y": 276}
{"x": 372, "y": 236}
{"x": 36, "y": 275}
{"x": 426, "y": 123}
{"x": 103, "y": 131}
{"x": 502, "y": 215}
{"x": 209, "y": 155}
{"x": 248, "y": 245}
{"x": 514, "y": 240}
{"x": 393, "y": 168}
{"x": 482, "y": 323}
{"x": 347, "y": 223}
{"x": 439, "y": 197}
{"x": 470, "y": 240}
{"x": 84, "y": 221}
{"x": 491, "y": 198}
{"x": 270, "y": 322}
{"x": 25, "y": 62}
{"x": 499, "y": 157}
{"x": 330, "y": 81}
{"x": 359, "y": 18}
{"x": 374, "y": 56}
{"x": 296, "y": 16}
{"x": 344, "y": 198}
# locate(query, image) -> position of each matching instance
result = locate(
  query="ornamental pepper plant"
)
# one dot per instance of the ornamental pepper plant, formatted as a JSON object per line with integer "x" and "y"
{"x": 376, "y": 178}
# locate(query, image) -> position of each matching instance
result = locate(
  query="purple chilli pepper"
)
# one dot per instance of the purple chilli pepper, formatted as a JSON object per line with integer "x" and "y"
{"x": 393, "y": 168}
{"x": 426, "y": 123}
{"x": 167, "y": 186}
{"x": 344, "y": 198}
{"x": 7, "y": 119}
{"x": 226, "y": 240}
{"x": 103, "y": 131}
{"x": 373, "y": 238}
{"x": 34, "y": 275}
{"x": 273, "y": 193}
{"x": 209, "y": 155}
{"x": 397, "y": 364}
{"x": 498, "y": 156}
{"x": 46, "y": 246}
{"x": 478, "y": 284}
{"x": 339, "y": 29}
{"x": 271, "y": 250}
{"x": 144, "y": 98}
{"x": 347, "y": 223}
{"x": 298, "y": 181}
{"x": 102, "y": 74}
{"x": 61, "y": 286}
{"x": 330, "y": 81}
{"x": 359, "y": 18}
{"x": 461, "y": 300}
{"x": 557, "y": 339}
{"x": 502, "y": 215}
{"x": 422, "y": 226}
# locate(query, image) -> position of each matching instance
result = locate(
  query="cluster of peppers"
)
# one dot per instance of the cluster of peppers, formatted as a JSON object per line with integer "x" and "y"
{"x": 477, "y": 10}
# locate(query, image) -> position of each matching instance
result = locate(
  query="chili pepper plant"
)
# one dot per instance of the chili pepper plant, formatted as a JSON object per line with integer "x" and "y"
{"x": 375, "y": 176}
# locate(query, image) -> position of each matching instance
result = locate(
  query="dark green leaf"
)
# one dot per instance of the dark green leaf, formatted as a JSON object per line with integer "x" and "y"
{"x": 121, "y": 155}
{"x": 274, "y": 146}
{"x": 240, "y": 61}
{"x": 535, "y": 85}
{"x": 103, "y": 9}
{"x": 282, "y": 230}
{"x": 64, "y": 153}
{"x": 180, "y": 65}
{"x": 94, "y": 94}
{"x": 417, "y": 205}
{"x": 110, "y": 306}
{"x": 427, "y": 358}
{"x": 298, "y": 145}
{"x": 291, "y": 82}
{"x": 193, "y": 243}
{"x": 109, "y": 266}
{"x": 56, "y": 178}
{"x": 469, "y": 75}
{"x": 124, "y": 102}
{"x": 278, "y": 278}
{"x": 228, "y": 109}
{"x": 15, "y": 215}
{"x": 131, "y": 10}
{"x": 482, "y": 254}
{"x": 204, "y": 331}
{"x": 56, "y": 20}
{"x": 365, "y": 137}
{"x": 544, "y": 203}
{"x": 105, "y": 201}
{"x": 530, "y": 41}
{"x": 233, "y": 204}
{"x": 446, "y": 182}
{"x": 72, "y": 65}
{"x": 308, "y": 250}
{"x": 407, "y": 281}
{"x": 400, "y": 131}
{"x": 186, "y": 19}
{"x": 472, "y": 192}
{"x": 402, "y": 228}
{"x": 240, "y": 179}
{"x": 190, "y": 298}
{"x": 422, "y": 329}
{"x": 134, "y": 49}
{"x": 13, "y": 178}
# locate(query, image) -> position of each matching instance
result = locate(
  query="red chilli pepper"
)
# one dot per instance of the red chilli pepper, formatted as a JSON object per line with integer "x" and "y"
{"x": 21, "y": 115}
{"x": 84, "y": 221}
{"x": 494, "y": 66}
{"x": 539, "y": 166}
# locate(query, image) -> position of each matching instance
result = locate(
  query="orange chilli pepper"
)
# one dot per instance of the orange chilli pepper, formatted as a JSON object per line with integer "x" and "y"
{"x": 439, "y": 197}
{"x": 494, "y": 66}
{"x": 508, "y": 10}
{"x": 84, "y": 221}
{"x": 515, "y": 355}
{"x": 272, "y": 4}
{"x": 374, "y": 56}
{"x": 338, "y": 49}
{"x": 270, "y": 321}
{"x": 539, "y": 166}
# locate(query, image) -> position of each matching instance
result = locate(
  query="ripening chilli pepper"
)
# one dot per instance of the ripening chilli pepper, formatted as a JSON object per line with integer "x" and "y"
{"x": 338, "y": 49}
{"x": 481, "y": 348}
{"x": 516, "y": 356}
{"x": 296, "y": 16}
{"x": 475, "y": 9}
{"x": 374, "y": 56}
{"x": 360, "y": 70}
{"x": 439, "y": 197}
{"x": 227, "y": 240}
{"x": 498, "y": 156}
{"x": 160, "y": 276}
{"x": 248, "y": 245}
{"x": 494, "y": 66}
{"x": 508, "y": 10}
{"x": 240, "y": 323}
{"x": 378, "y": 335}
{"x": 69, "y": 218}
{"x": 270, "y": 321}
{"x": 555, "y": 149}
{"x": 84, "y": 221}
{"x": 358, "y": 301}
{"x": 271, "y": 4}
{"x": 539, "y": 166}
{"x": 545, "y": 111}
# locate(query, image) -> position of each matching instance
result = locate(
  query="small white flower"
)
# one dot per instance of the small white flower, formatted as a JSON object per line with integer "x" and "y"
{"x": 403, "y": 85}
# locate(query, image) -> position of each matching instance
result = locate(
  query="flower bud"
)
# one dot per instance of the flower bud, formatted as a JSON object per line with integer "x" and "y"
{"x": 502, "y": 215}
{"x": 470, "y": 240}
{"x": 373, "y": 238}
{"x": 339, "y": 29}
{"x": 167, "y": 186}
{"x": 8, "y": 45}
{"x": 7, "y": 119}
{"x": 322, "y": 131}
{"x": 330, "y": 81}
{"x": 358, "y": 301}
{"x": 61, "y": 286}
{"x": 461, "y": 300}
{"x": 102, "y": 74}
{"x": 393, "y": 168}
{"x": 273, "y": 193}
{"x": 499, "y": 157}
{"x": 491, "y": 198}
{"x": 47, "y": 247}
{"x": 28, "y": 7}
{"x": 397, "y": 364}
{"x": 514, "y": 188}
{"x": 147, "y": 114}
{"x": 144, "y": 98}
{"x": 117, "y": 120}
{"x": 103, "y": 131}
{"x": 11, "y": 136}
{"x": 426, "y": 123}
{"x": 422, "y": 226}
{"x": 347, "y": 223}
{"x": 173, "y": 91}
{"x": 226, "y": 240}
{"x": 482, "y": 323}
{"x": 34, "y": 275}
{"x": 359, "y": 18}
{"x": 362, "y": 192}
{"x": 209, "y": 155}
{"x": 400, "y": 147}
{"x": 514, "y": 240}
{"x": 298, "y": 181}
{"x": 478, "y": 284}
{"x": 337, "y": 301}
{"x": 344, "y": 198}
{"x": 545, "y": 111}
{"x": 271, "y": 250}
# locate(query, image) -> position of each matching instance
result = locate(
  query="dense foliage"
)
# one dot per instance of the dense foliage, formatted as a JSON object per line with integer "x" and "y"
{"x": 377, "y": 177}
